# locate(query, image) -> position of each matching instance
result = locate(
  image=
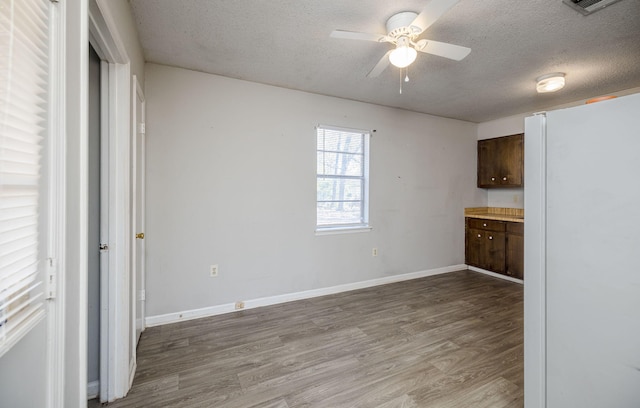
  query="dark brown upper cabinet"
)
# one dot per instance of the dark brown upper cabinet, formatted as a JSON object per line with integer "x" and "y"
{"x": 501, "y": 162}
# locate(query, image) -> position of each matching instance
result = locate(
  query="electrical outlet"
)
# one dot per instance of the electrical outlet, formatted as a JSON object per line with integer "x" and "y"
{"x": 239, "y": 305}
{"x": 374, "y": 252}
{"x": 213, "y": 271}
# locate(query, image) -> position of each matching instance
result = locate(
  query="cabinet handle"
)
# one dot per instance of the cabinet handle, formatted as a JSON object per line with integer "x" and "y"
{"x": 484, "y": 224}
{"x": 493, "y": 179}
{"x": 490, "y": 237}
{"x": 504, "y": 178}
{"x": 479, "y": 236}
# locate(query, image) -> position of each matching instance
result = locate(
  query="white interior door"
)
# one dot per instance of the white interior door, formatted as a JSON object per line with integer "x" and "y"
{"x": 104, "y": 232}
{"x": 138, "y": 176}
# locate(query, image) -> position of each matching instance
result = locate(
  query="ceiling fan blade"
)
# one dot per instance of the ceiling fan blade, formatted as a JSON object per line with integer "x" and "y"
{"x": 380, "y": 66}
{"x": 434, "y": 10}
{"x": 353, "y": 35}
{"x": 454, "y": 52}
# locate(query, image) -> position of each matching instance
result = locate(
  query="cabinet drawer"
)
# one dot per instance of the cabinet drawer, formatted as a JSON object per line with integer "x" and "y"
{"x": 515, "y": 228}
{"x": 489, "y": 225}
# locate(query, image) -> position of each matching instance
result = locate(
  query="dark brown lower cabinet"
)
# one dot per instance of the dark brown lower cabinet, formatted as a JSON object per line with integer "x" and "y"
{"x": 514, "y": 260}
{"x": 487, "y": 250}
{"x": 496, "y": 246}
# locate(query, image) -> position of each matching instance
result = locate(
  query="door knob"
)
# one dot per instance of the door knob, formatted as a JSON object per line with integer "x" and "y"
{"x": 140, "y": 235}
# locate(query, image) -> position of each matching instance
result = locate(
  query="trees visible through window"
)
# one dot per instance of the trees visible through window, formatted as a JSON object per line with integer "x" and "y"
{"x": 342, "y": 177}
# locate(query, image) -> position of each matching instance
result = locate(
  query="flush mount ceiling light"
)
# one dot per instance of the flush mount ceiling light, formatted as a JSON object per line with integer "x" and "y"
{"x": 550, "y": 82}
{"x": 403, "y": 55}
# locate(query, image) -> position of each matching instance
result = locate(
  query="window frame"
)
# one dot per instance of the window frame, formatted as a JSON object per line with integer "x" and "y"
{"x": 363, "y": 225}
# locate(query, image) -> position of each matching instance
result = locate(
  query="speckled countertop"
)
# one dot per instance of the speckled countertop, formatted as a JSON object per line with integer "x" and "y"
{"x": 496, "y": 213}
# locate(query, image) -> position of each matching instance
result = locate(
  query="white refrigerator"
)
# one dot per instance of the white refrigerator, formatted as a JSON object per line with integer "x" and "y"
{"x": 582, "y": 256}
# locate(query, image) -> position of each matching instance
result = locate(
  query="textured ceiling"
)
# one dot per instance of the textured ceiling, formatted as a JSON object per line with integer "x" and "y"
{"x": 286, "y": 43}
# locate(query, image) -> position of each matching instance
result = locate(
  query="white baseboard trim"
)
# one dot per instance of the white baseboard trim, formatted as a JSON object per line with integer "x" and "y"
{"x": 169, "y": 318}
{"x": 93, "y": 389}
{"x": 496, "y": 275}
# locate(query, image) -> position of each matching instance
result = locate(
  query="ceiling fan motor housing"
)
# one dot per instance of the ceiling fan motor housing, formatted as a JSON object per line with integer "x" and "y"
{"x": 399, "y": 25}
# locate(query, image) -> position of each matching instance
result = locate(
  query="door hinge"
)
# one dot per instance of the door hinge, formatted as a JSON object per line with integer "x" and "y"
{"x": 143, "y": 128}
{"x": 51, "y": 284}
{"x": 143, "y": 295}
{"x": 104, "y": 247}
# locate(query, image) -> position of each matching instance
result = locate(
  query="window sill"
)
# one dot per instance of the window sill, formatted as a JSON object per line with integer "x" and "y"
{"x": 342, "y": 230}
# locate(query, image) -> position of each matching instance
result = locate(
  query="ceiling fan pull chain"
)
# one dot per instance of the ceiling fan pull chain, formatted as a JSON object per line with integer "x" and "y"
{"x": 400, "y": 81}
{"x": 406, "y": 74}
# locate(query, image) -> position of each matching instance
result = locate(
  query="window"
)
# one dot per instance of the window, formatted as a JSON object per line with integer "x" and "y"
{"x": 24, "y": 83}
{"x": 342, "y": 178}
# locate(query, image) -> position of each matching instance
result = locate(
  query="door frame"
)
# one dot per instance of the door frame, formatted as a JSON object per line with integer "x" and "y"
{"x": 57, "y": 329}
{"x": 115, "y": 310}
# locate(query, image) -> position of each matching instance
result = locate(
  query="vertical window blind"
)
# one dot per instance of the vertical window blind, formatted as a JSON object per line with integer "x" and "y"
{"x": 24, "y": 84}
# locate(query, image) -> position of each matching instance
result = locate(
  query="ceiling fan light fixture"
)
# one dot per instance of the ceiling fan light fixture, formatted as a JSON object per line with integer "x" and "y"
{"x": 550, "y": 82}
{"x": 403, "y": 55}
{"x": 403, "y": 31}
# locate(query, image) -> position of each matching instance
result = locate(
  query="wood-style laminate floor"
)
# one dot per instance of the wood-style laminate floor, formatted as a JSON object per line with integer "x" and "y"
{"x": 452, "y": 340}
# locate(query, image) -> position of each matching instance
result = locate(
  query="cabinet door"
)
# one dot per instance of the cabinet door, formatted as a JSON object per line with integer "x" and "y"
{"x": 487, "y": 165}
{"x": 511, "y": 159}
{"x": 485, "y": 249}
{"x": 475, "y": 247}
{"x": 495, "y": 251}
{"x": 515, "y": 256}
{"x": 501, "y": 162}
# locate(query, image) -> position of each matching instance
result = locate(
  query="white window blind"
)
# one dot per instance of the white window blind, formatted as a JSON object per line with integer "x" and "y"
{"x": 24, "y": 83}
{"x": 342, "y": 177}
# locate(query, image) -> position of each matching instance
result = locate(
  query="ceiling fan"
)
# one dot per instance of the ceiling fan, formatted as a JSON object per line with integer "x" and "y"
{"x": 403, "y": 30}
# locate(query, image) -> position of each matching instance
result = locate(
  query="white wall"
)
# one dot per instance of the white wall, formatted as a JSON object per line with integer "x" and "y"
{"x": 22, "y": 371}
{"x": 231, "y": 181}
